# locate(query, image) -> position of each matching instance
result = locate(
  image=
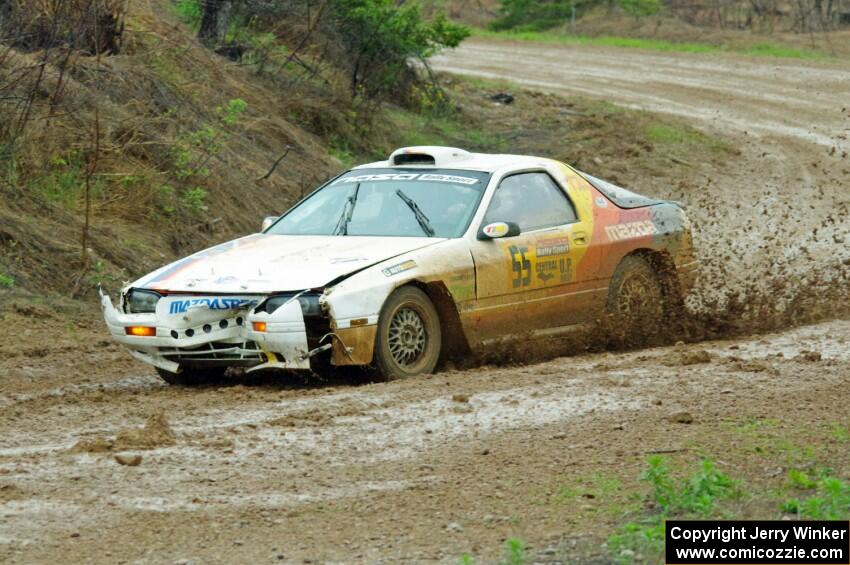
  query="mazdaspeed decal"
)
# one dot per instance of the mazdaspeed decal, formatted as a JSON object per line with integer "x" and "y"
{"x": 183, "y": 306}
{"x": 400, "y": 268}
{"x": 632, "y": 229}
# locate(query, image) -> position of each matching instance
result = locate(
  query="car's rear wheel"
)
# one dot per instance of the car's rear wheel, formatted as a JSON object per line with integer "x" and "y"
{"x": 192, "y": 376}
{"x": 409, "y": 339}
{"x": 635, "y": 302}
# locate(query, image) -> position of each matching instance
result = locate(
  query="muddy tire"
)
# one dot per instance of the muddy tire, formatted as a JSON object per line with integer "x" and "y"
{"x": 409, "y": 339}
{"x": 635, "y": 303}
{"x": 192, "y": 376}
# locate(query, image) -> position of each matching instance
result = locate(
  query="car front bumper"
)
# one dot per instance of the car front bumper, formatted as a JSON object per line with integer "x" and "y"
{"x": 214, "y": 337}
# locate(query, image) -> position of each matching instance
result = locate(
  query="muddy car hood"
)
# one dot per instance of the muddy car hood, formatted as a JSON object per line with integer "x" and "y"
{"x": 261, "y": 263}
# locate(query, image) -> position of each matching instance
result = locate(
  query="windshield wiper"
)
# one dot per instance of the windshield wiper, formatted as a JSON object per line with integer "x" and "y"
{"x": 347, "y": 212}
{"x": 423, "y": 220}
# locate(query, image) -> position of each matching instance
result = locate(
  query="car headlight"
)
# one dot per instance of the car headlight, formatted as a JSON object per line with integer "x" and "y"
{"x": 310, "y": 306}
{"x": 142, "y": 301}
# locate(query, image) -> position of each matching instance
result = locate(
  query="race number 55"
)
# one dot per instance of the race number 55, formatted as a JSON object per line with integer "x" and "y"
{"x": 521, "y": 266}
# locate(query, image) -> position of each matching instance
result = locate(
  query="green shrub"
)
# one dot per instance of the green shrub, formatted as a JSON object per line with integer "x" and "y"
{"x": 6, "y": 281}
{"x": 532, "y": 15}
{"x": 693, "y": 497}
{"x": 189, "y": 12}
{"x": 194, "y": 199}
{"x": 514, "y": 552}
{"x": 831, "y": 502}
{"x": 379, "y": 39}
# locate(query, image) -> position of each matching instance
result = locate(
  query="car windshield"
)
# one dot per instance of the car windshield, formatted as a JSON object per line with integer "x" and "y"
{"x": 389, "y": 202}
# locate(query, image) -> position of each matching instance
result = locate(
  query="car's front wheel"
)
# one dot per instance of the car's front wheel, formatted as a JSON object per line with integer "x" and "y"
{"x": 192, "y": 376}
{"x": 409, "y": 338}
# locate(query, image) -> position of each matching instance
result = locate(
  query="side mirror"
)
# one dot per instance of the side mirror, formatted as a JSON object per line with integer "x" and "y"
{"x": 498, "y": 230}
{"x": 268, "y": 221}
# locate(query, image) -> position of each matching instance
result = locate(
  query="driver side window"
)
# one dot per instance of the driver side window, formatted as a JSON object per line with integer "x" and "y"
{"x": 532, "y": 200}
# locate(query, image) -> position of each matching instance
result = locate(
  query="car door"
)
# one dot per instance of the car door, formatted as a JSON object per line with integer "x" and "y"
{"x": 526, "y": 282}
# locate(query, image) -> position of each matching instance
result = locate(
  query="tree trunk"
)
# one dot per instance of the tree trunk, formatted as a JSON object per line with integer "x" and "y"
{"x": 216, "y": 20}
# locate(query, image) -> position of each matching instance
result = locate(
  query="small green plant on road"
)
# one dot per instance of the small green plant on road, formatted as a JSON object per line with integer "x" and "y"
{"x": 693, "y": 497}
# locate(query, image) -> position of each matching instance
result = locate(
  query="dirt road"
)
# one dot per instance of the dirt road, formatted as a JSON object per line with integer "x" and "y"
{"x": 426, "y": 470}
{"x": 804, "y": 100}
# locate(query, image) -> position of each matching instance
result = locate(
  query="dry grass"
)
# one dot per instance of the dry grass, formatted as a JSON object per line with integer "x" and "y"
{"x": 174, "y": 174}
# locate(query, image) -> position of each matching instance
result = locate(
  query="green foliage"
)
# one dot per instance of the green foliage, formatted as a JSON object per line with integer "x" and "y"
{"x": 6, "y": 281}
{"x": 692, "y": 497}
{"x": 640, "y": 8}
{"x": 341, "y": 150}
{"x": 697, "y": 495}
{"x": 231, "y": 113}
{"x": 193, "y": 150}
{"x": 514, "y": 552}
{"x": 765, "y": 50}
{"x": 841, "y": 433}
{"x": 194, "y": 199}
{"x": 466, "y": 559}
{"x": 536, "y": 15}
{"x": 380, "y": 37}
{"x": 800, "y": 480}
{"x": 771, "y": 50}
{"x": 63, "y": 181}
{"x": 166, "y": 199}
{"x": 830, "y": 502}
{"x": 189, "y": 12}
{"x": 637, "y": 540}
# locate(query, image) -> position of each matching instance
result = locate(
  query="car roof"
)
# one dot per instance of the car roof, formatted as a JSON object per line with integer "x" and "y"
{"x": 438, "y": 157}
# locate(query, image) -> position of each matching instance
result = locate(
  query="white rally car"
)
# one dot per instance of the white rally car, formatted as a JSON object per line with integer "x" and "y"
{"x": 398, "y": 263}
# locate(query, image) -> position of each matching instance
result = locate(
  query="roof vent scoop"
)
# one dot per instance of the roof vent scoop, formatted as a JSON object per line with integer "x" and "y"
{"x": 428, "y": 155}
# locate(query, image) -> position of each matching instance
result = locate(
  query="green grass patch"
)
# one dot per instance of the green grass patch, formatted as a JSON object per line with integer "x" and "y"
{"x": 830, "y": 502}
{"x": 772, "y": 50}
{"x": 841, "y": 433}
{"x": 759, "y": 50}
{"x": 695, "y": 496}
{"x": 7, "y": 281}
{"x": 671, "y": 134}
